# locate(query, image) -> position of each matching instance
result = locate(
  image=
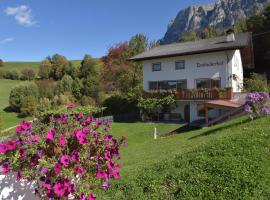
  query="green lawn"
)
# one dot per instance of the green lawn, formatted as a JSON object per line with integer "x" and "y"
{"x": 33, "y": 65}
{"x": 226, "y": 161}
{"x": 8, "y": 118}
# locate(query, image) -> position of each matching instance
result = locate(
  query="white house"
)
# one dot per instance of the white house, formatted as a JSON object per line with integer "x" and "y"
{"x": 204, "y": 72}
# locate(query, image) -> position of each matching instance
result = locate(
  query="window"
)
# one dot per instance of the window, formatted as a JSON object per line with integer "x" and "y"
{"x": 207, "y": 83}
{"x": 180, "y": 65}
{"x": 201, "y": 110}
{"x": 156, "y": 67}
{"x": 153, "y": 85}
{"x": 166, "y": 85}
{"x": 181, "y": 84}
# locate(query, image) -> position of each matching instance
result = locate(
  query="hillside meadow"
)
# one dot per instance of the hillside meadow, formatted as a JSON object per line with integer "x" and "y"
{"x": 226, "y": 161}
{"x": 31, "y": 65}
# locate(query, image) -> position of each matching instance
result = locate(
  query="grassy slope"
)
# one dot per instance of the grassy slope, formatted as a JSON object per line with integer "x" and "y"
{"x": 33, "y": 65}
{"x": 227, "y": 161}
{"x": 8, "y": 118}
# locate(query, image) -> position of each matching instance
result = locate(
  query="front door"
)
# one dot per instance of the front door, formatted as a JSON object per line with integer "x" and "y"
{"x": 187, "y": 113}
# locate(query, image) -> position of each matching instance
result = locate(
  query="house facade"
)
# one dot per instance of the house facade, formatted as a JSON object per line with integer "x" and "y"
{"x": 200, "y": 72}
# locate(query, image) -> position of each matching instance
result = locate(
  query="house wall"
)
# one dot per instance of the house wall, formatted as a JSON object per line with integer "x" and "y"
{"x": 237, "y": 69}
{"x": 192, "y": 72}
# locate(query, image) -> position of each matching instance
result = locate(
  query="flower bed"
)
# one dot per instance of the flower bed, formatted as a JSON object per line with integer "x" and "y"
{"x": 257, "y": 104}
{"x": 67, "y": 156}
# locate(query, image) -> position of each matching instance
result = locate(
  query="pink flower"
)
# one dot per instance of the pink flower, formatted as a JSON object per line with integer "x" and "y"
{"x": 57, "y": 168}
{"x": 100, "y": 175}
{"x": 34, "y": 139}
{"x": 19, "y": 176}
{"x": 64, "y": 160}
{"x": 92, "y": 197}
{"x": 115, "y": 174}
{"x": 107, "y": 155}
{"x": 62, "y": 140}
{"x": 81, "y": 137}
{"x": 59, "y": 189}
{"x": 105, "y": 186}
{"x": 88, "y": 120}
{"x": 5, "y": 168}
{"x": 75, "y": 157}
{"x": 71, "y": 105}
{"x": 80, "y": 116}
{"x": 22, "y": 154}
{"x": 98, "y": 123}
{"x": 24, "y": 126}
{"x": 79, "y": 169}
{"x": 50, "y": 135}
{"x": 3, "y": 148}
{"x": 47, "y": 185}
{"x": 10, "y": 145}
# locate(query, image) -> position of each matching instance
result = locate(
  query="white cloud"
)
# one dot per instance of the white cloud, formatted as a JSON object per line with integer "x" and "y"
{"x": 22, "y": 14}
{"x": 6, "y": 40}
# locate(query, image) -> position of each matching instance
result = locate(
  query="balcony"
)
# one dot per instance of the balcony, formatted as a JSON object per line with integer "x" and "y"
{"x": 194, "y": 94}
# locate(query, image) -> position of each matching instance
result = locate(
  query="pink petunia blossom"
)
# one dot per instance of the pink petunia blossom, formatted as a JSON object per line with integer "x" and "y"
{"x": 22, "y": 154}
{"x": 105, "y": 186}
{"x": 3, "y": 148}
{"x": 62, "y": 140}
{"x": 19, "y": 176}
{"x": 5, "y": 168}
{"x": 57, "y": 168}
{"x": 50, "y": 135}
{"x": 92, "y": 197}
{"x": 75, "y": 157}
{"x": 24, "y": 126}
{"x": 80, "y": 116}
{"x": 34, "y": 139}
{"x": 10, "y": 145}
{"x": 64, "y": 160}
{"x": 59, "y": 189}
{"x": 115, "y": 174}
{"x": 81, "y": 137}
{"x": 79, "y": 169}
{"x": 71, "y": 105}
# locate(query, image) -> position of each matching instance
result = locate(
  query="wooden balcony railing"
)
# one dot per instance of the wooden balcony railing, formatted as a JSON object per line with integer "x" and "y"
{"x": 194, "y": 94}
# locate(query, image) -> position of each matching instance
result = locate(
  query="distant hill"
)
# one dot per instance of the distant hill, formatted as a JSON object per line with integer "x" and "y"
{"x": 33, "y": 65}
{"x": 220, "y": 15}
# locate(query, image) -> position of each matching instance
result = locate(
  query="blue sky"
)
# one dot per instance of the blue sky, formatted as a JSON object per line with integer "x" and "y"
{"x": 34, "y": 29}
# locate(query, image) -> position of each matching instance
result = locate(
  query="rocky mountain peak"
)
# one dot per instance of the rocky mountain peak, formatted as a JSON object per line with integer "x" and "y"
{"x": 220, "y": 15}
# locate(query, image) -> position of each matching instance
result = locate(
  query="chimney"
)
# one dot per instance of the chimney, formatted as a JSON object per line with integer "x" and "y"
{"x": 230, "y": 35}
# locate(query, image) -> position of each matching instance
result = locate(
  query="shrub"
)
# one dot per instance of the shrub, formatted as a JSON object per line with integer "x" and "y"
{"x": 85, "y": 100}
{"x": 72, "y": 155}
{"x": 118, "y": 104}
{"x": 45, "y": 69}
{"x": 256, "y": 83}
{"x": 46, "y": 88}
{"x": 2, "y": 73}
{"x": 29, "y": 105}
{"x": 1, "y": 63}
{"x": 257, "y": 104}
{"x": 28, "y": 74}
{"x": 21, "y": 91}
{"x": 13, "y": 75}
{"x": 65, "y": 85}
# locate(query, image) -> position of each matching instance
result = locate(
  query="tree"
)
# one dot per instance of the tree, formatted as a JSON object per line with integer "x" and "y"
{"x": 13, "y": 75}
{"x": 45, "y": 69}
{"x": 19, "y": 92}
{"x": 66, "y": 84}
{"x": 46, "y": 88}
{"x": 88, "y": 67}
{"x": 256, "y": 83}
{"x": 191, "y": 36}
{"x": 60, "y": 66}
{"x": 117, "y": 70}
{"x": 76, "y": 88}
{"x": 90, "y": 86}
{"x": 29, "y": 105}
{"x": 209, "y": 32}
{"x": 1, "y": 63}
{"x": 28, "y": 74}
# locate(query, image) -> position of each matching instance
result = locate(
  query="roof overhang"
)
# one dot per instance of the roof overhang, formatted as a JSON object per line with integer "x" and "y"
{"x": 137, "y": 58}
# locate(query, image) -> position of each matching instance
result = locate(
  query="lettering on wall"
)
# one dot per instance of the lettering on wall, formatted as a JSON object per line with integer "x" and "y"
{"x": 210, "y": 64}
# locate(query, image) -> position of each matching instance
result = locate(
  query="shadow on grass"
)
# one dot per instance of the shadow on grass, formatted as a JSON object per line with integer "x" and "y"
{"x": 9, "y": 109}
{"x": 183, "y": 129}
{"x": 219, "y": 128}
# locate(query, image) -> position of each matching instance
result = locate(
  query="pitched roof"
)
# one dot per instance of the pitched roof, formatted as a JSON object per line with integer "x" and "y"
{"x": 196, "y": 47}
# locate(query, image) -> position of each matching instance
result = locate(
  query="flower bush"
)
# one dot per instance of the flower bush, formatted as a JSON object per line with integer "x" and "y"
{"x": 70, "y": 156}
{"x": 257, "y": 104}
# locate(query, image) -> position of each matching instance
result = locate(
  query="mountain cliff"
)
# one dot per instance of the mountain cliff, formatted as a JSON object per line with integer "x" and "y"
{"x": 220, "y": 15}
